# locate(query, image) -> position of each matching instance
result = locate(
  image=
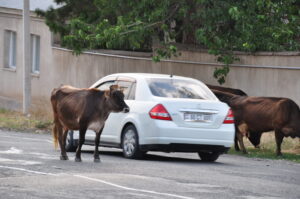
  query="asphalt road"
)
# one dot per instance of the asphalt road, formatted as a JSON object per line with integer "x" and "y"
{"x": 30, "y": 168}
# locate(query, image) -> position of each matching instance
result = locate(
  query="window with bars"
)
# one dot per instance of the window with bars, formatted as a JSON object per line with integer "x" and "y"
{"x": 35, "y": 53}
{"x": 10, "y": 49}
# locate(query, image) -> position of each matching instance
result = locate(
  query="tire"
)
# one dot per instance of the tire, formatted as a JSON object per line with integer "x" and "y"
{"x": 71, "y": 144}
{"x": 209, "y": 156}
{"x": 130, "y": 143}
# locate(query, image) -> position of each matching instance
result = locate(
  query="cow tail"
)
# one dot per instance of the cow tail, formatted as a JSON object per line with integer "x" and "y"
{"x": 54, "y": 130}
{"x": 55, "y": 135}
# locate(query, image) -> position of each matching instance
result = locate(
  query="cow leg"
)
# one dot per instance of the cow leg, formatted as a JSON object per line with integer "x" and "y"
{"x": 236, "y": 145}
{"x": 279, "y": 138}
{"x": 97, "y": 141}
{"x": 242, "y": 130}
{"x": 81, "y": 141}
{"x": 64, "y": 155}
{"x": 241, "y": 142}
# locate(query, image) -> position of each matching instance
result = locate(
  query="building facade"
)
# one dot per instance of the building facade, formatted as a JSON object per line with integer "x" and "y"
{"x": 261, "y": 74}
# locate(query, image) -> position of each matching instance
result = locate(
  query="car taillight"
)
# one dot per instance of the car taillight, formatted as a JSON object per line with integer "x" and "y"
{"x": 229, "y": 119}
{"x": 159, "y": 112}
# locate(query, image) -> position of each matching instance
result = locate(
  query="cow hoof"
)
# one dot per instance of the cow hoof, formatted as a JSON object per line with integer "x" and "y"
{"x": 78, "y": 160}
{"x": 97, "y": 160}
{"x": 237, "y": 149}
{"x": 64, "y": 157}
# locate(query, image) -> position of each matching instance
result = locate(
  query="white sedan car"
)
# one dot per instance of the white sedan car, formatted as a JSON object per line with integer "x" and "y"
{"x": 167, "y": 113}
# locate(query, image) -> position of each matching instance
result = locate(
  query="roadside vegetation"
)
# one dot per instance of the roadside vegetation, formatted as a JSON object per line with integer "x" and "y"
{"x": 290, "y": 148}
{"x": 221, "y": 27}
{"x": 38, "y": 123}
{"x": 13, "y": 120}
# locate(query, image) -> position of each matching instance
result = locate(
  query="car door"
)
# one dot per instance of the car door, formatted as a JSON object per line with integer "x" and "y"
{"x": 114, "y": 123}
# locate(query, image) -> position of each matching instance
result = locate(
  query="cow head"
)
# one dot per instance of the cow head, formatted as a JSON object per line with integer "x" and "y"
{"x": 254, "y": 138}
{"x": 116, "y": 98}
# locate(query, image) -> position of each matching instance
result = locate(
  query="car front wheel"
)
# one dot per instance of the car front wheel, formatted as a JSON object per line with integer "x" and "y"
{"x": 209, "y": 156}
{"x": 130, "y": 143}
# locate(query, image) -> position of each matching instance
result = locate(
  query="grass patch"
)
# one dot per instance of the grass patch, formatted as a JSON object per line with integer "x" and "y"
{"x": 267, "y": 154}
{"x": 17, "y": 121}
{"x": 290, "y": 149}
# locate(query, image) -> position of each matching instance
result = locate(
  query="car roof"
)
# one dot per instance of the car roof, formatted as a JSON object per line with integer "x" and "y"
{"x": 149, "y": 75}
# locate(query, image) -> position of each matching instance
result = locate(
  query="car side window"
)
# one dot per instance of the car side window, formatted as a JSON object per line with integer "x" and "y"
{"x": 126, "y": 86}
{"x": 105, "y": 85}
{"x": 132, "y": 92}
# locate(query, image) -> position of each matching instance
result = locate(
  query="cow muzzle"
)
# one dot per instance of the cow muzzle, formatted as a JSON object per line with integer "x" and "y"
{"x": 126, "y": 110}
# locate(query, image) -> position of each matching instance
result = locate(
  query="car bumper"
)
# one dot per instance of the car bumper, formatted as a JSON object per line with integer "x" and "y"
{"x": 168, "y": 133}
{"x": 184, "y": 148}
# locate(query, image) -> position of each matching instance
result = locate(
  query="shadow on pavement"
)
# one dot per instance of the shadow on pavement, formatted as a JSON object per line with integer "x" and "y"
{"x": 156, "y": 157}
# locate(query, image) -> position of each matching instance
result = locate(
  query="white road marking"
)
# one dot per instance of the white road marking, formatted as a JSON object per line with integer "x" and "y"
{"x": 140, "y": 194}
{"x": 132, "y": 189}
{"x": 19, "y": 162}
{"x": 257, "y": 197}
{"x": 34, "y": 139}
{"x": 29, "y": 171}
{"x": 12, "y": 150}
{"x": 17, "y": 151}
{"x": 43, "y": 156}
{"x": 101, "y": 181}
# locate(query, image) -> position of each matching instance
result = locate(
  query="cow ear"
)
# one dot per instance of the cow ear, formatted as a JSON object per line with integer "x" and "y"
{"x": 107, "y": 94}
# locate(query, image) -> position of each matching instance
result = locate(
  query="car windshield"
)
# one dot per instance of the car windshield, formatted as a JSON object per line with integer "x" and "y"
{"x": 179, "y": 88}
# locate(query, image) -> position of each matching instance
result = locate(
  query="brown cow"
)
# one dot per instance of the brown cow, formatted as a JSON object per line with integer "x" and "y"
{"x": 241, "y": 130}
{"x": 82, "y": 109}
{"x": 262, "y": 114}
{"x": 254, "y": 137}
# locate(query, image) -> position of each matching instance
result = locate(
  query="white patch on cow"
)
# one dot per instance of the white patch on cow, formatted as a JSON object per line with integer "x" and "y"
{"x": 96, "y": 125}
{"x": 78, "y": 119}
{"x": 12, "y": 150}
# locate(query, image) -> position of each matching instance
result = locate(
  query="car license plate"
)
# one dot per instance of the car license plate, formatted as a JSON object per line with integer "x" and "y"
{"x": 197, "y": 117}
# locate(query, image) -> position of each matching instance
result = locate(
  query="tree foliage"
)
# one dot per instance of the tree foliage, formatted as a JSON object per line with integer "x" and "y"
{"x": 221, "y": 26}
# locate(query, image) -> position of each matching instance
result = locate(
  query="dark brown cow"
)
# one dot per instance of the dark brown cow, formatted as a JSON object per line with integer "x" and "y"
{"x": 254, "y": 137}
{"x": 227, "y": 89}
{"x": 82, "y": 109}
{"x": 239, "y": 134}
{"x": 262, "y": 114}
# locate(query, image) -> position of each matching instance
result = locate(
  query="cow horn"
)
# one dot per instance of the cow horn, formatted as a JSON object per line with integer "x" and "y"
{"x": 113, "y": 87}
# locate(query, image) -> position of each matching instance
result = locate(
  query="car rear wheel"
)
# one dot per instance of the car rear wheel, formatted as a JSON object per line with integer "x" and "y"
{"x": 130, "y": 143}
{"x": 71, "y": 144}
{"x": 209, "y": 156}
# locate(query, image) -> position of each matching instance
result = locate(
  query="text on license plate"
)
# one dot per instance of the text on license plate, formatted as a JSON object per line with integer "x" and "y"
{"x": 194, "y": 117}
